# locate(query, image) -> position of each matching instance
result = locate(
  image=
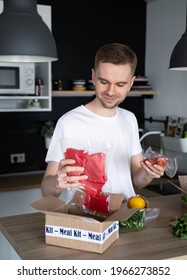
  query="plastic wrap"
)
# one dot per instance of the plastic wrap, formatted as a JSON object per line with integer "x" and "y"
{"x": 170, "y": 164}
{"x": 139, "y": 219}
{"x": 93, "y": 157}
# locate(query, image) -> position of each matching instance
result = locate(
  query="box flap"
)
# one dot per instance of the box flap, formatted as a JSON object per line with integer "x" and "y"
{"x": 55, "y": 206}
{"x": 183, "y": 182}
{"x": 115, "y": 201}
{"x": 122, "y": 214}
{"x": 50, "y": 203}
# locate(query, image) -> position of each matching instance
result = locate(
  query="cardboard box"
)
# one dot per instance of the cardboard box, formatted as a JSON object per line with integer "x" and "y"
{"x": 77, "y": 230}
{"x": 183, "y": 185}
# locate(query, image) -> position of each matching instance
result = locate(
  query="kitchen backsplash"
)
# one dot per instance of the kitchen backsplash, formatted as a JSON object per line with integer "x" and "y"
{"x": 20, "y": 132}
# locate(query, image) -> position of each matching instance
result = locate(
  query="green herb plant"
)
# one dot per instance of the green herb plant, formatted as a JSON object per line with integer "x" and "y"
{"x": 180, "y": 227}
{"x": 136, "y": 221}
{"x": 47, "y": 129}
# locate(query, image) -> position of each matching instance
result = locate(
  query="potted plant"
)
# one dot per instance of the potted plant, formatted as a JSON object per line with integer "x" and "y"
{"x": 47, "y": 132}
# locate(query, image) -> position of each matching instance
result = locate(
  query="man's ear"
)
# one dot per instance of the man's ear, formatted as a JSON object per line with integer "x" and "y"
{"x": 132, "y": 82}
{"x": 93, "y": 76}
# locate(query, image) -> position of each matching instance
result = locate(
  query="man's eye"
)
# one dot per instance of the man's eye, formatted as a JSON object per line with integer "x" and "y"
{"x": 120, "y": 85}
{"x": 103, "y": 82}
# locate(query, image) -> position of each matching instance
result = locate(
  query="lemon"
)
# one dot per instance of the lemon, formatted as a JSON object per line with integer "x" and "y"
{"x": 136, "y": 202}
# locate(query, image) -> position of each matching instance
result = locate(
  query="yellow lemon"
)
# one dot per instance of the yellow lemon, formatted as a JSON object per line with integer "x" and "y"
{"x": 136, "y": 202}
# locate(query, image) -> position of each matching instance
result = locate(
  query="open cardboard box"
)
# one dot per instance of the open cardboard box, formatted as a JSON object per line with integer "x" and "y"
{"x": 72, "y": 228}
{"x": 183, "y": 185}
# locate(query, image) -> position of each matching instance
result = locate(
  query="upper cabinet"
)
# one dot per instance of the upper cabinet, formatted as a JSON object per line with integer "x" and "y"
{"x": 37, "y": 100}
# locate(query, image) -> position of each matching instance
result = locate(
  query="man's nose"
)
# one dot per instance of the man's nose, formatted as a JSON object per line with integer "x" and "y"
{"x": 110, "y": 89}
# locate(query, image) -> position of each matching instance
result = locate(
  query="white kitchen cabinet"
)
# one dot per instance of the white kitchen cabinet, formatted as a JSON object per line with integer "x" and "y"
{"x": 42, "y": 71}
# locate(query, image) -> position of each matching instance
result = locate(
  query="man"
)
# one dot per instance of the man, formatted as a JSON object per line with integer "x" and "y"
{"x": 102, "y": 120}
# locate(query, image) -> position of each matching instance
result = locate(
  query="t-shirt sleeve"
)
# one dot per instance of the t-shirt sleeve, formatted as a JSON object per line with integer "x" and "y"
{"x": 54, "y": 152}
{"x": 136, "y": 147}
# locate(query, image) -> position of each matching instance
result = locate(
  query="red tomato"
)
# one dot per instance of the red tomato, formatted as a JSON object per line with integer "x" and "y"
{"x": 161, "y": 162}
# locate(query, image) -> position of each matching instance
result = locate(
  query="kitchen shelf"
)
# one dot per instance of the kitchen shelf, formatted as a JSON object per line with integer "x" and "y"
{"x": 66, "y": 93}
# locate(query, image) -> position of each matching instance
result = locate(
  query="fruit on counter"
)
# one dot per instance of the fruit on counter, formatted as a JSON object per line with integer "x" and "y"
{"x": 137, "y": 201}
{"x": 180, "y": 227}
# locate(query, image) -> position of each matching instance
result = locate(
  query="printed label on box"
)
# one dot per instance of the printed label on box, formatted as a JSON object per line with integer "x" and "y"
{"x": 81, "y": 235}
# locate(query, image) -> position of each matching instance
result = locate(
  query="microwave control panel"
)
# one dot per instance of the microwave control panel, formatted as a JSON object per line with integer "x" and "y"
{"x": 29, "y": 77}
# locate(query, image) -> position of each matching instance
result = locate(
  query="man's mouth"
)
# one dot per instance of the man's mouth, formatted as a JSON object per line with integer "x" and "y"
{"x": 109, "y": 99}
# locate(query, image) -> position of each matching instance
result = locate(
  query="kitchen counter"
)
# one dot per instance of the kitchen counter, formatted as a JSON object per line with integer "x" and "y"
{"x": 20, "y": 181}
{"x": 33, "y": 180}
{"x": 155, "y": 242}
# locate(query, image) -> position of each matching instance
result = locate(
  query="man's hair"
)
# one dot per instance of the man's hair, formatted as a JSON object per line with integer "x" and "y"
{"x": 117, "y": 54}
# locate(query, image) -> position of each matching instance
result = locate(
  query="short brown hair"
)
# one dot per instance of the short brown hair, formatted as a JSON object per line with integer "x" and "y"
{"x": 117, "y": 54}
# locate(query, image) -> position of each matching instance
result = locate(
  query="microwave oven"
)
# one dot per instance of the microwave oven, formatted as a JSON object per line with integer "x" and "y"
{"x": 17, "y": 78}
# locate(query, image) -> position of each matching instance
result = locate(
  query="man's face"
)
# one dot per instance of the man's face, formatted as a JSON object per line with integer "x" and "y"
{"x": 112, "y": 83}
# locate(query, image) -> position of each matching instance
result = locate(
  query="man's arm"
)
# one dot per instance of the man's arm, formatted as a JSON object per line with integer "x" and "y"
{"x": 144, "y": 172}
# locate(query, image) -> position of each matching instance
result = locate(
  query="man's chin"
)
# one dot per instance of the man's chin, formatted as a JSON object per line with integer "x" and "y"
{"x": 109, "y": 105}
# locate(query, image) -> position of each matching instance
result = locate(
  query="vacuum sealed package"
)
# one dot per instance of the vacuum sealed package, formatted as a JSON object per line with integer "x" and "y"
{"x": 139, "y": 219}
{"x": 98, "y": 205}
{"x": 93, "y": 157}
{"x": 170, "y": 164}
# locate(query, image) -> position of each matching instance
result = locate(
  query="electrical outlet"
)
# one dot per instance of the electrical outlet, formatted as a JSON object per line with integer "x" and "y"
{"x": 17, "y": 158}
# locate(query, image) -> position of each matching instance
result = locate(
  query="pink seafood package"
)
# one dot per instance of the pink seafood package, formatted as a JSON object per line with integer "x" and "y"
{"x": 170, "y": 164}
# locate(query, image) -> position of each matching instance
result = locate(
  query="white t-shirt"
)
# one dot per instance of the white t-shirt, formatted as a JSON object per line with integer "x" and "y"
{"x": 118, "y": 136}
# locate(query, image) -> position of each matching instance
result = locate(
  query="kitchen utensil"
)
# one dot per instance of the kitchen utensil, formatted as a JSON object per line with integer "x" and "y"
{"x": 177, "y": 187}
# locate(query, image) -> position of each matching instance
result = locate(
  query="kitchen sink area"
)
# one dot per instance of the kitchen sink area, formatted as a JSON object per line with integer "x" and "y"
{"x": 163, "y": 187}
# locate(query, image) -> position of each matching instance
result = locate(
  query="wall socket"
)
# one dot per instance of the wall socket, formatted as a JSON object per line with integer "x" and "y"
{"x": 17, "y": 158}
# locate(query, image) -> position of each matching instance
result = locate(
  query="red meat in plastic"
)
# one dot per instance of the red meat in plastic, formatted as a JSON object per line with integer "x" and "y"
{"x": 99, "y": 203}
{"x": 92, "y": 188}
{"x": 80, "y": 157}
{"x": 95, "y": 168}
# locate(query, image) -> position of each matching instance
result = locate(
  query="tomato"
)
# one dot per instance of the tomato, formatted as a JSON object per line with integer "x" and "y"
{"x": 161, "y": 162}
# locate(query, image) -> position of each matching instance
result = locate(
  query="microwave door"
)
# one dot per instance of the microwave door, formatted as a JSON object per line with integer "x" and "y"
{"x": 9, "y": 78}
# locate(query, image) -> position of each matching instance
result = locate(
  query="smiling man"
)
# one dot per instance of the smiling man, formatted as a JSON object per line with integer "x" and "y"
{"x": 101, "y": 120}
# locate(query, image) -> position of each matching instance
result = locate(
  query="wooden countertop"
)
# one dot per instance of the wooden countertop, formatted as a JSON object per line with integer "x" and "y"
{"x": 155, "y": 242}
{"x": 33, "y": 180}
{"x": 20, "y": 181}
